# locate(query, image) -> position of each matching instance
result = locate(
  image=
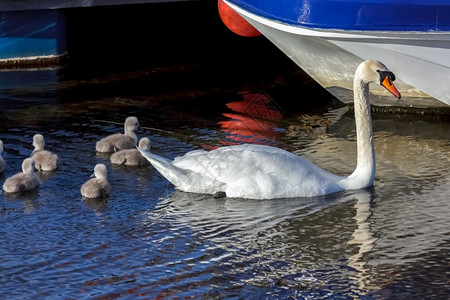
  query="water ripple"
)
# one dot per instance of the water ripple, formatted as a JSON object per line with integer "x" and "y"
{"x": 150, "y": 241}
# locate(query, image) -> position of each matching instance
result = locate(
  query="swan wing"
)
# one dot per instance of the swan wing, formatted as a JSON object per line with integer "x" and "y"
{"x": 184, "y": 179}
{"x": 21, "y": 182}
{"x": 45, "y": 160}
{"x": 256, "y": 171}
{"x": 125, "y": 142}
{"x": 117, "y": 141}
{"x": 95, "y": 188}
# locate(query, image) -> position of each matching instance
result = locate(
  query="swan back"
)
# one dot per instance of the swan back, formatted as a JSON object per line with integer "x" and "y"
{"x": 246, "y": 171}
{"x": 97, "y": 187}
{"x": 131, "y": 157}
{"x": 44, "y": 160}
{"x": 21, "y": 182}
{"x": 119, "y": 141}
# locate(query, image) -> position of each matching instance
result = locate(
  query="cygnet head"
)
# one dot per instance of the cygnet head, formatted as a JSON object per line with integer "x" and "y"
{"x": 374, "y": 71}
{"x": 38, "y": 142}
{"x": 131, "y": 123}
{"x": 100, "y": 171}
{"x": 144, "y": 144}
{"x": 1, "y": 147}
{"x": 28, "y": 165}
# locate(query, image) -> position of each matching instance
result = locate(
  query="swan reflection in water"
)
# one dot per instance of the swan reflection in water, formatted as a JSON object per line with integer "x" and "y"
{"x": 364, "y": 239}
{"x": 280, "y": 242}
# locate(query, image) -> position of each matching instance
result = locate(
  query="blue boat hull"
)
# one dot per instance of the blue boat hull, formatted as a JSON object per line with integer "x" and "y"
{"x": 33, "y": 33}
{"x": 379, "y": 15}
{"x": 30, "y": 35}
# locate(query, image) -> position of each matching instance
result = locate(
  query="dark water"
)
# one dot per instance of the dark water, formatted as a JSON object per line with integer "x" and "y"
{"x": 149, "y": 241}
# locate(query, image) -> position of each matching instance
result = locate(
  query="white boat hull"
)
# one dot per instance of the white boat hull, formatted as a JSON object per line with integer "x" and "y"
{"x": 420, "y": 61}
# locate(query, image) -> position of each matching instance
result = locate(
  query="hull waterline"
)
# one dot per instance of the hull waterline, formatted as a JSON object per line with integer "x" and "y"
{"x": 420, "y": 60}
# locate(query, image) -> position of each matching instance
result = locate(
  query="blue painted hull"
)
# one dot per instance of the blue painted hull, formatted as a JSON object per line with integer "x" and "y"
{"x": 362, "y": 15}
{"x": 32, "y": 34}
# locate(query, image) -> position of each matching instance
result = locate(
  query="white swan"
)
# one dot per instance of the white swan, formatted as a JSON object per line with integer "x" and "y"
{"x": 44, "y": 160}
{"x": 97, "y": 187}
{"x": 263, "y": 172}
{"x": 25, "y": 181}
{"x": 120, "y": 141}
{"x": 131, "y": 157}
{"x": 2, "y": 161}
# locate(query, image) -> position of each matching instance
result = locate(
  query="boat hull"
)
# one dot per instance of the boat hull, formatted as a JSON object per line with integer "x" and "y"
{"x": 420, "y": 60}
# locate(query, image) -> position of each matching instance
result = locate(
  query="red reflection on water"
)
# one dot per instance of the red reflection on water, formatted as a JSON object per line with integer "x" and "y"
{"x": 259, "y": 105}
{"x": 254, "y": 120}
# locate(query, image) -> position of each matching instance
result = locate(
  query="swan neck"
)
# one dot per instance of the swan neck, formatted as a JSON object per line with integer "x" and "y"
{"x": 364, "y": 173}
{"x": 129, "y": 131}
{"x": 27, "y": 169}
{"x": 38, "y": 146}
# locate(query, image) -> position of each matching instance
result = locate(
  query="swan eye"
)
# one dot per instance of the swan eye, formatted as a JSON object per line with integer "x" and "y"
{"x": 384, "y": 74}
{"x": 391, "y": 76}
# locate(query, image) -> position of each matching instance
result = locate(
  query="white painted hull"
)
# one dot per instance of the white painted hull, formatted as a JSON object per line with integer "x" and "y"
{"x": 420, "y": 61}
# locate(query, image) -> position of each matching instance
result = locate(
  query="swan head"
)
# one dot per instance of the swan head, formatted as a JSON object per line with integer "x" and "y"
{"x": 38, "y": 142}
{"x": 372, "y": 71}
{"x": 100, "y": 171}
{"x": 131, "y": 124}
{"x": 144, "y": 144}
{"x": 28, "y": 165}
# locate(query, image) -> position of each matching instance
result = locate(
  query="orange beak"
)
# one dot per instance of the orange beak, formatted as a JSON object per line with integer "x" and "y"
{"x": 387, "y": 83}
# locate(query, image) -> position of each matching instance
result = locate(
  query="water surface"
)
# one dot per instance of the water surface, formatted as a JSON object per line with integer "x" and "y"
{"x": 150, "y": 241}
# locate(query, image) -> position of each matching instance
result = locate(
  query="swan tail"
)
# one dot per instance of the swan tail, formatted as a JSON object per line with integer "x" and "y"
{"x": 103, "y": 146}
{"x": 118, "y": 158}
{"x": 183, "y": 179}
{"x": 175, "y": 175}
